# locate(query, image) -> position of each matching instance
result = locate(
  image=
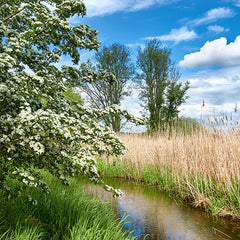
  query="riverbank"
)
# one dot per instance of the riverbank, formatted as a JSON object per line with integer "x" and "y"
{"x": 66, "y": 213}
{"x": 200, "y": 168}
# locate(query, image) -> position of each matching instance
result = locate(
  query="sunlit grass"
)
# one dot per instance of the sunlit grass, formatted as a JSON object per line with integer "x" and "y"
{"x": 66, "y": 213}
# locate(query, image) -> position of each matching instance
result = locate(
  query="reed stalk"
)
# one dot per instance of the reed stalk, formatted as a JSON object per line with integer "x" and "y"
{"x": 200, "y": 165}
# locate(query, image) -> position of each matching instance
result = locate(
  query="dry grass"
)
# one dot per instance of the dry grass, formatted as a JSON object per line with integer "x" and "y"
{"x": 213, "y": 156}
{"x": 205, "y": 164}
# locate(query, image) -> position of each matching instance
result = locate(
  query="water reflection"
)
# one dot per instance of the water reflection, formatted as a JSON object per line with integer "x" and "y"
{"x": 152, "y": 212}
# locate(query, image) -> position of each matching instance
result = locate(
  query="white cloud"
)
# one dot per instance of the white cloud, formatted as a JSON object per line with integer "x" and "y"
{"x": 136, "y": 45}
{"x": 96, "y": 8}
{"x": 219, "y": 89}
{"x": 213, "y": 15}
{"x": 234, "y": 2}
{"x": 237, "y": 3}
{"x": 101, "y": 8}
{"x": 217, "y": 29}
{"x": 142, "y": 4}
{"x": 214, "y": 53}
{"x": 176, "y": 35}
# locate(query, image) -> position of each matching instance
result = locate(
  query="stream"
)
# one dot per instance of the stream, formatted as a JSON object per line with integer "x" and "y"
{"x": 155, "y": 215}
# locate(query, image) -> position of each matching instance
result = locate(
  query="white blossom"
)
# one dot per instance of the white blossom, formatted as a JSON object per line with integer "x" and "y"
{"x": 25, "y": 181}
{"x": 39, "y": 127}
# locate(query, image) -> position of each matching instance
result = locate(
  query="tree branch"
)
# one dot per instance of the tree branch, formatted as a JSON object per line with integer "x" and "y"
{"x": 14, "y": 14}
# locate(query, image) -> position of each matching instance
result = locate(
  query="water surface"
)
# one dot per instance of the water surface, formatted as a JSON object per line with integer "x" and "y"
{"x": 153, "y": 213}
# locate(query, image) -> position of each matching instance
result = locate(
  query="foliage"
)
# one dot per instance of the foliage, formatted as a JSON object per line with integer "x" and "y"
{"x": 74, "y": 96}
{"x": 102, "y": 94}
{"x": 38, "y": 126}
{"x": 66, "y": 213}
{"x": 160, "y": 90}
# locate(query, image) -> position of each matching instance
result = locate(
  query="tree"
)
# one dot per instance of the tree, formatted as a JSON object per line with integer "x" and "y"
{"x": 102, "y": 94}
{"x": 39, "y": 127}
{"x": 175, "y": 94}
{"x": 159, "y": 88}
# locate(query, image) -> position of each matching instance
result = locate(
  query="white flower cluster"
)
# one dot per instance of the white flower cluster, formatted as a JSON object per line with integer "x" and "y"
{"x": 39, "y": 128}
{"x": 26, "y": 178}
{"x": 116, "y": 192}
{"x": 6, "y": 61}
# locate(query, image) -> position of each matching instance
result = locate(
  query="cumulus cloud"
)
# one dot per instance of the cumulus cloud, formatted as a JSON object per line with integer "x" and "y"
{"x": 213, "y": 15}
{"x": 219, "y": 89}
{"x": 217, "y": 29}
{"x": 214, "y": 53}
{"x": 176, "y": 35}
{"x": 101, "y": 8}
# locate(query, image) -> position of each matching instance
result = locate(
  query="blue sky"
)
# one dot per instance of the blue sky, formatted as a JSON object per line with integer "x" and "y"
{"x": 204, "y": 37}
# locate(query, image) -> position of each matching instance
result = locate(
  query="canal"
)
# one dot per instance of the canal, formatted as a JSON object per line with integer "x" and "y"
{"x": 154, "y": 215}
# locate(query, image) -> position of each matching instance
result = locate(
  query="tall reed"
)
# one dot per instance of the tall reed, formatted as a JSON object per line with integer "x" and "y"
{"x": 201, "y": 165}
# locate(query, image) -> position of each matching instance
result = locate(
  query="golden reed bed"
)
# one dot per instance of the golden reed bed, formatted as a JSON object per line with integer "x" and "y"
{"x": 206, "y": 153}
{"x": 205, "y": 164}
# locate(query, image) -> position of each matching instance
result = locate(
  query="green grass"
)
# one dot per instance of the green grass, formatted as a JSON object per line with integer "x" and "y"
{"x": 200, "y": 191}
{"x": 66, "y": 213}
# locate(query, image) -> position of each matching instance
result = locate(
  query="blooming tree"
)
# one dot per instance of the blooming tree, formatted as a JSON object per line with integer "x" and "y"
{"x": 39, "y": 129}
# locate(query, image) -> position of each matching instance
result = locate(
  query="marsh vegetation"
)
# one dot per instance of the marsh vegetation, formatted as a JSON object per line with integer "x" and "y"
{"x": 200, "y": 165}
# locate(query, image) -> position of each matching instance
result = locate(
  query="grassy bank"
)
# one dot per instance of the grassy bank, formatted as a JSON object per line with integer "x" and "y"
{"x": 66, "y": 213}
{"x": 200, "y": 167}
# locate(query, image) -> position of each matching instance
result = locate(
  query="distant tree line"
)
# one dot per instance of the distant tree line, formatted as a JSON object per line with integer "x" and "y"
{"x": 155, "y": 76}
